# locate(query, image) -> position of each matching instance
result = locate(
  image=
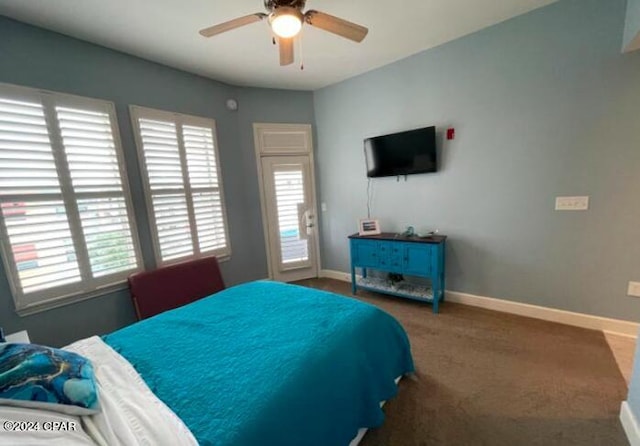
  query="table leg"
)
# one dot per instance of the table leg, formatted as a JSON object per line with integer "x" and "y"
{"x": 353, "y": 279}
{"x": 442, "y": 270}
{"x": 435, "y": 285}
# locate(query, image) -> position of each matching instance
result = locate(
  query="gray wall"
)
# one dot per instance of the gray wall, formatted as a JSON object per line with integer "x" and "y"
{"x": 256, "y": 106}
{"x": 35, "y": 57}
{"x": 544, "y": 105}
{"x": 632, "y": 25}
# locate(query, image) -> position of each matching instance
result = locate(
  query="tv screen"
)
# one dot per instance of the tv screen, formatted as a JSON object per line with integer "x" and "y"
{"x": 402, "y": 153}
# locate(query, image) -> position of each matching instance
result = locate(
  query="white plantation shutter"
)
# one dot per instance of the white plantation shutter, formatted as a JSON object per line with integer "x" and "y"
{"x": 41, "y": 244}
{"x": 37, "y": 232}
{"x": 182, "y": 184}
{"x": 96, "y": 179}
{"x": 107, "y": 234}
{"x": 64, "y": 226}
{"x": 90, "y": 149}
{"x": 162, "y": 155}
{"x": 172, "y": 225}
{"x": 209, "y": 221}
{"x": 205, "y": 188}
{"x": 164, "y": 173}
{"x": 27, "y": 157}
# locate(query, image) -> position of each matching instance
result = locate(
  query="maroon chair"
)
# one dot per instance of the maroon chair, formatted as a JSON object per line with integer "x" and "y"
{"x": 173, "y": 286}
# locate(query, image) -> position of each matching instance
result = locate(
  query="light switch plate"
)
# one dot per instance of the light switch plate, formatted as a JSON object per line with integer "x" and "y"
{"x": 634, "y": 289}
{"x": 323, "y": 206}
{"x": 572, "y": 203}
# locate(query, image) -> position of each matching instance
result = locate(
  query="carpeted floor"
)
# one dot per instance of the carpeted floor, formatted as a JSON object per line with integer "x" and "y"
{"x": 488, "y": 378}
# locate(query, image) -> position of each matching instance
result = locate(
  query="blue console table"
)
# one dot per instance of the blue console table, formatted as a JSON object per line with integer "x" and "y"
{"x": 393, "y": 253}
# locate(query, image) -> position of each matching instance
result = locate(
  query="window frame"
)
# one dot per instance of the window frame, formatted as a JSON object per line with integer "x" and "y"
{"x": 88, "y": 286}
{"x": 179, "y": 119}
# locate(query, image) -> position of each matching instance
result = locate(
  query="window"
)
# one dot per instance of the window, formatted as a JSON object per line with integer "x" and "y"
{"x": 183, "y": 186}
{"x": 66, "y": 224}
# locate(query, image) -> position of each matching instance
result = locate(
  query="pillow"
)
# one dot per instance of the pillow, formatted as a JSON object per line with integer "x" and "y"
{"x": 47, "y": 378}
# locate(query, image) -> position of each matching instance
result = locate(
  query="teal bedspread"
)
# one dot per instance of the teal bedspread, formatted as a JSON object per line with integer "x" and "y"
{"x": 266, "y": 363}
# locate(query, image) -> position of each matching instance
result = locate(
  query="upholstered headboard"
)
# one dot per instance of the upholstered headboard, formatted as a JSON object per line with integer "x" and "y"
{"x": 173, "y": 286}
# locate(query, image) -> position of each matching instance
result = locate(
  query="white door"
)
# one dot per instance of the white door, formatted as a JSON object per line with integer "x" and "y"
{"x": 290, "y": 217}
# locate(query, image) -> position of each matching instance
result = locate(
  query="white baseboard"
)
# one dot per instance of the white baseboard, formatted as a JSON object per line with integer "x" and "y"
{"x": 616, "y": 326}
{"x": 630, "y": 424}
{"x": 336, "y": 275}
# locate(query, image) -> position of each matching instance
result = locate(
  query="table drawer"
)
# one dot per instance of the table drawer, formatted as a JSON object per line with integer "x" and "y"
{"x": 390, "y": 255}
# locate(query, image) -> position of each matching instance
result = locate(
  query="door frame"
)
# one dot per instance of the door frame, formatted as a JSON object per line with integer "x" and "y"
{"x": 258, "y": 129}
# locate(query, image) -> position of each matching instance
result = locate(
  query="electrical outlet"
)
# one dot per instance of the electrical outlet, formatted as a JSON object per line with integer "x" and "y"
{"x": 572, "y": 203}
{"x": 634, "y": 289}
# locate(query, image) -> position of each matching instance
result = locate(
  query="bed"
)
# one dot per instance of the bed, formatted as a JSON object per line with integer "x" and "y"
{"x": 259, "y": 363}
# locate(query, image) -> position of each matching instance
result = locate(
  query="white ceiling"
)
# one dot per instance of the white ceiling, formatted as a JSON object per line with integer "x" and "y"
{"x": 166, "y": 31}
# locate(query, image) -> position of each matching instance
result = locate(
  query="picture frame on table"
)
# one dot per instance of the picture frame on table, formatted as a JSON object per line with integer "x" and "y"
{"x": 369, "y": 227}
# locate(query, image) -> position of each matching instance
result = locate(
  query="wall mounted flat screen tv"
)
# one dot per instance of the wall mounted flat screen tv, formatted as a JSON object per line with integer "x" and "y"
{"x": 403, "y": 153}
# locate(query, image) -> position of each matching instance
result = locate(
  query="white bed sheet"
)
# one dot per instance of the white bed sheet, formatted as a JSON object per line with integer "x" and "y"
{"x": 131, "y": 414}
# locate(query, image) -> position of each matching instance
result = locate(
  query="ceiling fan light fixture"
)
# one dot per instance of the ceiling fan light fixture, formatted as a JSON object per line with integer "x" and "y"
{"x": 286, "y": 22}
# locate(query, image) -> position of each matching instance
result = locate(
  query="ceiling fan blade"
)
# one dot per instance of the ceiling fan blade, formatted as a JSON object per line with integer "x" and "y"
{"x": 336, "y": 25}
{"x": 286, "y": 51}
{"x": 232, "y": 24}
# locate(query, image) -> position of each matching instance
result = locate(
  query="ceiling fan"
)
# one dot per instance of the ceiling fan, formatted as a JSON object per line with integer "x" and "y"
{"x": 286, "y": 19}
